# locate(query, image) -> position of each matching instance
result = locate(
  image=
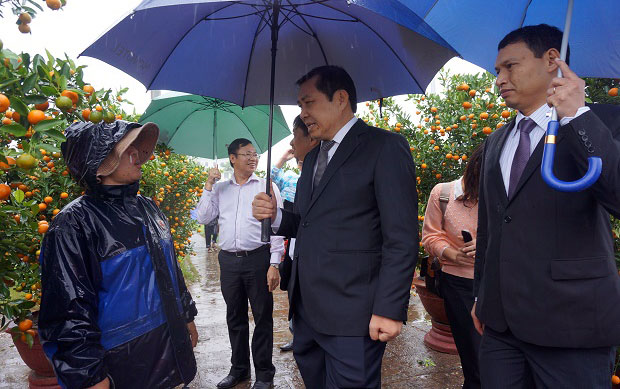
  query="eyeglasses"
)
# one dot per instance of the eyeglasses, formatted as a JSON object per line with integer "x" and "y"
{"x": 249, "y": 155}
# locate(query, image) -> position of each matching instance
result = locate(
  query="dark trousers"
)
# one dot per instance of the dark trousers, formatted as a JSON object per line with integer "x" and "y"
{"x": 457, "y": 293}
{"x": 326, "y": 361}
{"x": 507, "y": 362}
{"x": 210, "y": 234}
{"x": 244, "y": 279}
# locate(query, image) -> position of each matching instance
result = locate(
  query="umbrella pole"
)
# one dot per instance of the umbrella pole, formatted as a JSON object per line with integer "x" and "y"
{"x": 595, "y": 164}
{"x": 215, "y": 136}
{"x": 266, "y": 223}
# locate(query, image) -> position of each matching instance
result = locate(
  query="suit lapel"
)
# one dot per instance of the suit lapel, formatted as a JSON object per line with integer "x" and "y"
{"x": 344, "y": 150}
{"x": 495, "y": 170}
{"x": 304, "y": 185}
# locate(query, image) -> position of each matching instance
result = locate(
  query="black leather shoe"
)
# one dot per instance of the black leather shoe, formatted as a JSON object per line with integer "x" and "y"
{"x": 287, "y": 347}
{"x": 262, "y": 385}
{"x": 231, "y": 381}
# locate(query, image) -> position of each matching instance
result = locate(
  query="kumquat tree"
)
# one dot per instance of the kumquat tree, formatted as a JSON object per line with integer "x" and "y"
{"x": 39, "y": 98}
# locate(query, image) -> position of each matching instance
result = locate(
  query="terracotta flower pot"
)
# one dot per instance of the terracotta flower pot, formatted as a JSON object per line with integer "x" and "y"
{"x": 42, "y": 375}
{"x": 439, "y": 338}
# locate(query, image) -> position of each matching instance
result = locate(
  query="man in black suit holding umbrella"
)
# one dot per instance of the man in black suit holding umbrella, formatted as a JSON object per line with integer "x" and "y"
{"x": 546, "y": 282}
{"x": 355, "y": 220}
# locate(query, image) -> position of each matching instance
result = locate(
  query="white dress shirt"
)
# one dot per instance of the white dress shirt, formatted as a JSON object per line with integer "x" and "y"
{"x": 239, "y": 230}
{"x": 337, "y": 139}
{"x": 542, "y": 117}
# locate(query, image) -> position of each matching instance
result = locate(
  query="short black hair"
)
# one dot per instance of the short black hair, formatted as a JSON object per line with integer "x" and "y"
{"x": 298, "y": 123}
{"x": 539, "y": 39}
{"x": 331, "y": 79}
{"x": 235, "y": 145}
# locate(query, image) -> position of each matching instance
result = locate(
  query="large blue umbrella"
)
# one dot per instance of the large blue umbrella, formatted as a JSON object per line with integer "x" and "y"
{"x": 227, "y": 49}
{"x": 475, "y": 27}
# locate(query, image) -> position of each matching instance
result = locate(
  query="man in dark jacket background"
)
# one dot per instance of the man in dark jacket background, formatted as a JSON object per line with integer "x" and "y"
{"x": 116, "y": 312}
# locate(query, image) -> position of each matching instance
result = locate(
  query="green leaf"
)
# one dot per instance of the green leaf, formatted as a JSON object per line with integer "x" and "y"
{"x": 35, "y": 99}
{"x": 41, "y": 70}
{"x": 18, "y": 195}
{"x": 48, "y": 124}
{"x": 50, "y": 148}
{"x": 19, "y": 106}
{"x": 56, "y": 135}
{"x": 26, "y": 304}
{"x": 25, "y": 60}
{"x": 34, "y": 3}
{"x": 8, "y": 82}
{"x": 34, "y": 208}
{"x": 50, "y": 58}
{"x": 62, "y": 82}
{"x": 29, "y": 83}
{"x": 37, "y": 61}
{"x": 29, "y": 340}
{"x": 49, "y": 90}
{"x": 14, "y": 128}
{"x": 4, "y": 291}
{"x": 65, "y": 71}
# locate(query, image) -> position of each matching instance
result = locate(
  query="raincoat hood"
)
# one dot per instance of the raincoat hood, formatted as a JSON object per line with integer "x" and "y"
{"x": 88, "y": 144}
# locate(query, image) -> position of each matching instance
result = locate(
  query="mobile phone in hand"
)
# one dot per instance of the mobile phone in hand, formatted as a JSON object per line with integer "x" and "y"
{"x": 466, "y": 236}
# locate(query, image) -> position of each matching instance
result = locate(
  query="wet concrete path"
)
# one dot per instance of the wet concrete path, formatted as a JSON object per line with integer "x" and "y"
{"x": 407, "y": 362}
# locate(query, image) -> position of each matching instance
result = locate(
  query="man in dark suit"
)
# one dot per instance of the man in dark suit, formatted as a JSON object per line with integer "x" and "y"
{"x": 546, "y": 283}
{"x": 355, "y": 220}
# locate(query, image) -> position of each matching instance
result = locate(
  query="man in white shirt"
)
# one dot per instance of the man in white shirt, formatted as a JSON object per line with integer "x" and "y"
{"x": 248, "y": 267}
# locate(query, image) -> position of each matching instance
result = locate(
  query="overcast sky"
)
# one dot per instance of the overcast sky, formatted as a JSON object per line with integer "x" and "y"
{"x": 73, "y": 28}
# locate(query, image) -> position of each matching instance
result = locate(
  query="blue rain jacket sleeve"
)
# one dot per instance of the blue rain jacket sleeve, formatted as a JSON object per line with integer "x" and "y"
{"x": 70, "y": 277}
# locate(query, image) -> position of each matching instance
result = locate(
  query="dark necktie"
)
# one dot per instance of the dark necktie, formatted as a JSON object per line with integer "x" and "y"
{"x": 522, "y": 154}
{"x": 321, "y": 163}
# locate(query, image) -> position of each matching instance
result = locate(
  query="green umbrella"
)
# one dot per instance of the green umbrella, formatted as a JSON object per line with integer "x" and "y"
{"x": 204, "y": 127}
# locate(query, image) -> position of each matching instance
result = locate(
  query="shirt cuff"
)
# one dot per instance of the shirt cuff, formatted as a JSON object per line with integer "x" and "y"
{"x": 565, "y": 120}
{"x": 275, "y": 258}
{"x": 275, "y": 224}
{"x": 442, "y": 251}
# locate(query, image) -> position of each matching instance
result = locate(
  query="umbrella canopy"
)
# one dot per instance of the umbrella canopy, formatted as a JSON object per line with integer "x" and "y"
{"x": 204, "y": 127}
{"x": 475, "y": 27}
{"x": 223, "y": 48}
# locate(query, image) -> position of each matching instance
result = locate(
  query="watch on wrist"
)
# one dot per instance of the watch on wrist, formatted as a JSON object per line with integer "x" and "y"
{"x": 276, "y": 265}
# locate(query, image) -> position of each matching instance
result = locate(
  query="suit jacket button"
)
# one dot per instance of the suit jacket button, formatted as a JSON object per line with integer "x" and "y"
{"x": 304, "y": 224}
{"x": 507, "y": 219}
{"x": 581, "y": 132}
{"x": 296, "y": 256}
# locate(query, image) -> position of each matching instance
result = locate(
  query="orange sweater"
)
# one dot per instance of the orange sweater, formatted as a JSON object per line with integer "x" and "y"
{"x": 457, "y": 217}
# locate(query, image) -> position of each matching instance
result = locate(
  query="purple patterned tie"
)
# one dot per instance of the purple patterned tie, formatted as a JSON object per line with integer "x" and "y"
{"x": 521, "y": 155}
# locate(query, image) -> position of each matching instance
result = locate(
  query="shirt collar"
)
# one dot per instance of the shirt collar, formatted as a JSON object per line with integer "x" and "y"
{"x": 253, "y": 177}
{"x": 539, "y": 116}
{"x": 344, "y": 130}
{"x": 458, "y": 188}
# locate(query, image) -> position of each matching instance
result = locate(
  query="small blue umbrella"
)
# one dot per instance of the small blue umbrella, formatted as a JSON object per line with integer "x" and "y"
{"x": 231, "y": 49}
{"x": 595, "y": 47}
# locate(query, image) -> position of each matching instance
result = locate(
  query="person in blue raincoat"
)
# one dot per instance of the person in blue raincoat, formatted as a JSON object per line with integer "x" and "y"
{"x": 115, "y": 311}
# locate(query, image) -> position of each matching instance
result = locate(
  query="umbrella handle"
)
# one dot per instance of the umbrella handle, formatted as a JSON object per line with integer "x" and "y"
{"x": 265, "y": 230}
{"x": 595, "y": 165}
